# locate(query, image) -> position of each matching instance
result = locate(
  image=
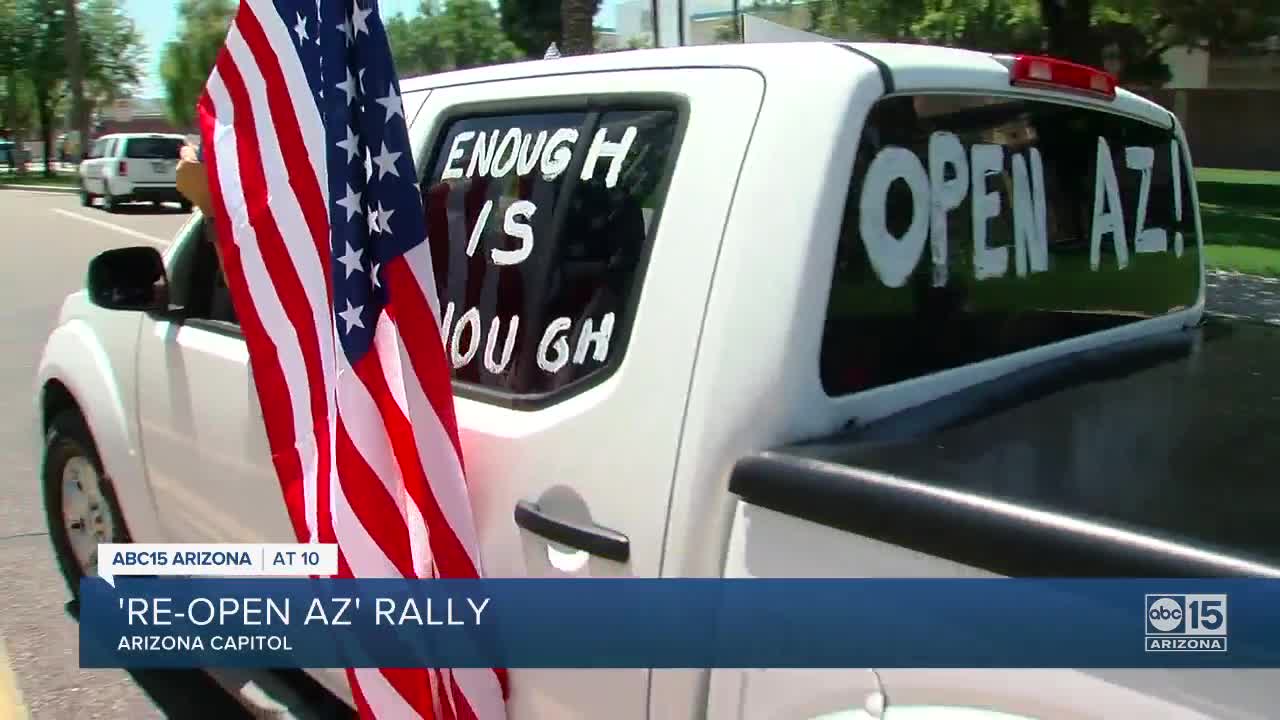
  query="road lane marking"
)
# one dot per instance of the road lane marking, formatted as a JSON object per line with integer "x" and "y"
{"x": 11, "y": 705}
{"x": 152, "y": 239}
{"x": 38, "y": 191}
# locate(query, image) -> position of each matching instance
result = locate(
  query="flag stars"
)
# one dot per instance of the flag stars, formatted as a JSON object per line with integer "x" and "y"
{"x": 384, "y": 217}
{"x": 344, "y": 27}
{"x": 373, "y": 275}
{"x": 348, "y": 86}
{"x": 359, "y": 19}
{"x": 300, "y": 29}
{"x": 351, "y": 144}
{"x": 352, "y": 317}
{"x": 392, "y": 103}
{"x": 351, "y": 260}
{"x": 375, "y": 224}
{"x": 351, "y": 202}
{"x": 386, "y": 161}
{"x": 360, "y": 77}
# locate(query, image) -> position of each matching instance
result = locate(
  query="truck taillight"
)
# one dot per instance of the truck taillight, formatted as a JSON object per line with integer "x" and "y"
{"x": 124, "y": 168}
{"x": 1033, "y": 71}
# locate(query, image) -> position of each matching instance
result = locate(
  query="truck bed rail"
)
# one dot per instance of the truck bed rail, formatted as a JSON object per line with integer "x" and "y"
{"x": 1157, "y": 458}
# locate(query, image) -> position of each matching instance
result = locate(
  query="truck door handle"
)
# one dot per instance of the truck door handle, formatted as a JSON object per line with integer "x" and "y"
{"x": 608, "y": 544}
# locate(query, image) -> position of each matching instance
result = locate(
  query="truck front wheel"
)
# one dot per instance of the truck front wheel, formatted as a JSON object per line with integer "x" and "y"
{"x": 80, "y": 504}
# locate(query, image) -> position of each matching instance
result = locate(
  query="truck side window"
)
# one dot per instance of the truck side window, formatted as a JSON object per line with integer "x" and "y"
{"x": 981, "y": 226}
{"x": 539, "y": 225}
{"x": 197, "y": 282}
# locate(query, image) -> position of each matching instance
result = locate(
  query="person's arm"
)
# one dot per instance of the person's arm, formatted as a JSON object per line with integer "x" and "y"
{"x": 193, "y": 183}
{"x": 192, "y": 180}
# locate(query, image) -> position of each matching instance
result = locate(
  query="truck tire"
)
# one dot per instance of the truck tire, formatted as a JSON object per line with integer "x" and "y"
{"x": 86, "y": 197}
{"x": 80, "y": 504}
{"x": 108, "y": 200}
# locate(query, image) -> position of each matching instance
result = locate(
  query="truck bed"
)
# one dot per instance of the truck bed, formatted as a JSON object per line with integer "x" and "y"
{"x": 1156, "y": 458}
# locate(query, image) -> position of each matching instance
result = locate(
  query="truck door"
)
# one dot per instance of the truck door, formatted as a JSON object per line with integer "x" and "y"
{"x": 207, "y": 456}
{"x": 573, "y": 229}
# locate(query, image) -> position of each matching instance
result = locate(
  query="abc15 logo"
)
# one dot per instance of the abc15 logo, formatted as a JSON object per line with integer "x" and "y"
{"x": 1203, "y": 614}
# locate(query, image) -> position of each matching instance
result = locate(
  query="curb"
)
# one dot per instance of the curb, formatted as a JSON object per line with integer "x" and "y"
{"x": 12, "y": 706}
{"x": 70, "y": 189}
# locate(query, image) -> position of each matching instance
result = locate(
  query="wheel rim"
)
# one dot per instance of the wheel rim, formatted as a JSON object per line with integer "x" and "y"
{"x": 86, "y": 516}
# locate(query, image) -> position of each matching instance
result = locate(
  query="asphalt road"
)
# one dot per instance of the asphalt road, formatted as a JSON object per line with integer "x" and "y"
{"x": 46, "y": 241}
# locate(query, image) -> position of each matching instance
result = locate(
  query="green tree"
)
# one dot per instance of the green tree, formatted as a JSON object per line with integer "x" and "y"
{"x": 1132, "y": 34}
{"x": 15, "y": 106}
{"x": 455, "y": 35}
{"x": 75, "y": 69}
{"x": 188, "y": 58}
{"x": 531, "y": 24}
{"x": 113, "y": 50}
{"x": 45, "y": 63}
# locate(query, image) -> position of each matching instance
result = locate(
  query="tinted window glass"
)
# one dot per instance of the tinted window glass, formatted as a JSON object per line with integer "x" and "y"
{"x": 153, "y": 148}
{"x": 196, "y": 280}
{"x": 538, "y": 225}
{"x": 977, "y": 227}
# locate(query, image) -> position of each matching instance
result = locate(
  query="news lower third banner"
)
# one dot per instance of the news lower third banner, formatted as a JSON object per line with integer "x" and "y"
{"x": 271, "y": 622}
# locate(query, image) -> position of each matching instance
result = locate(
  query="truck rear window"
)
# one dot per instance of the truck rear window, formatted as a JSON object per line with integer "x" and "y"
{"x": 153, "y": 148}
{"x": 539, "y": 225}
{"x": 980, "y": 226}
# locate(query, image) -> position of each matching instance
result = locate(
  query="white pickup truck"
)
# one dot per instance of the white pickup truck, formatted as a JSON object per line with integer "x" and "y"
{"x": 819, "y": 310}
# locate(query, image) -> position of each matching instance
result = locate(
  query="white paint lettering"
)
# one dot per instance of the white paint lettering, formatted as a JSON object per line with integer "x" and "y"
{"x": 530, "y": 151}
{"x": 448, "y": 320}
{"x": 478, "y": 229}
{"x": 893, "y": 258}
{"x": 1108, "y": 215}
{"x": 560, "y": 345}
{"x": 456, "y": 151}
{"x": 985, "y": 160}
{"x": 945, "y": 195}
{"x": 504, "y": 159}
{"x": 497, "y": 366}
{"x": 514, "y": 226}
{"x": 469, "y": 321}
{"x": 599, "y": 338}
{"x": 615, "y": 151}
{"x": 1030, "y": 216}
{"x": 482, "y": 155}
{"x": 555, "y": 156}
{"x": 1145, "y": 239}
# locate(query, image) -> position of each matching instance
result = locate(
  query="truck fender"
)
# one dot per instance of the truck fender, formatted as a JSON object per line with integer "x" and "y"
{"x": 74, "y": 357}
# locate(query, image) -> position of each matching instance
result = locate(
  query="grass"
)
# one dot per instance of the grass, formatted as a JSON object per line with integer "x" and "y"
{"x": 1240, "y": 211}
{"x": 1242, "y": 258}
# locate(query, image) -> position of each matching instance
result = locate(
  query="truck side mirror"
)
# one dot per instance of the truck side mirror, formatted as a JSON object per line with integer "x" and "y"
{"x": 131, "y": 278}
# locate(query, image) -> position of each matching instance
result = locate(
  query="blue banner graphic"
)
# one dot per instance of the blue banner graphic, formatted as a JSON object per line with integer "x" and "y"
{"x": 679, "y": 623}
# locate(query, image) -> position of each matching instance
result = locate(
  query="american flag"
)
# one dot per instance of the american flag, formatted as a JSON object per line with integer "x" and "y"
{"x": 321, "y": 233}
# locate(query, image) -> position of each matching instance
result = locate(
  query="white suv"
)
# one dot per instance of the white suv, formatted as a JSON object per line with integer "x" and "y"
{"x": 131, "y": 167}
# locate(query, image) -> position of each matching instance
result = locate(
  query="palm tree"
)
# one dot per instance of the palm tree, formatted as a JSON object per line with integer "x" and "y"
{"x": 576, "y": 26}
